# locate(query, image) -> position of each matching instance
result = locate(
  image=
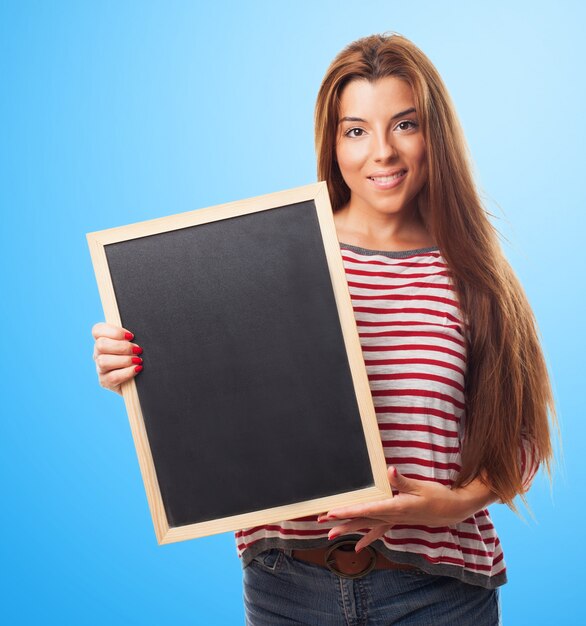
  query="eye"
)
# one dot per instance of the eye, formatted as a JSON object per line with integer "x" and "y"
{"x": 406, "y": 125}
{"x": 354, "y": 132}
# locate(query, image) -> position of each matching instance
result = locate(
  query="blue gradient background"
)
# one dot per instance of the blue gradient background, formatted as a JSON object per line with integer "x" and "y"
{"x": 116, "y": 112}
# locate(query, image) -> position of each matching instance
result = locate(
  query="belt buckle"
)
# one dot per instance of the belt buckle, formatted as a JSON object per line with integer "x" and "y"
{"x": 330, "y": 559}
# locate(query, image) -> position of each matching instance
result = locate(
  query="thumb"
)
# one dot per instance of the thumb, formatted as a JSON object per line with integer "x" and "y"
{"x": 399, "y": 482}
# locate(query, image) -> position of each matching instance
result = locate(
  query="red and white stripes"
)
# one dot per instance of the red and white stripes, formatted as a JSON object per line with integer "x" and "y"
{"x": 412, "y": 336}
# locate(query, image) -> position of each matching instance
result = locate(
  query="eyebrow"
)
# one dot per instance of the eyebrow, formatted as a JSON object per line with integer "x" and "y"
{"x": 397, "y": 115}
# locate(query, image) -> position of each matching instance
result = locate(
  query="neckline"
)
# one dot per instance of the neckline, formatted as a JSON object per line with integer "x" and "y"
{"x": 399, "y": 254}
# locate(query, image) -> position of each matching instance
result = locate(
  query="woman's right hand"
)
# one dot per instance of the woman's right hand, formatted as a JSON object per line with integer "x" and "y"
{"x": 117, "y": 358}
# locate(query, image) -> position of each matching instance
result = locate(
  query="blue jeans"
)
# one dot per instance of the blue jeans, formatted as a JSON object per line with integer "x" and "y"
{"x": 281, "y": 590}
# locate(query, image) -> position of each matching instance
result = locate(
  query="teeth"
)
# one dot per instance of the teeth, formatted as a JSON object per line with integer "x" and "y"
{"x": 387, "y": 179}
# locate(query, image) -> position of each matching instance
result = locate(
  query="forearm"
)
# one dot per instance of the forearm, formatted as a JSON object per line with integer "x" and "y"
{"x": 416, "y": 502}
{"x": 474, "y": 497}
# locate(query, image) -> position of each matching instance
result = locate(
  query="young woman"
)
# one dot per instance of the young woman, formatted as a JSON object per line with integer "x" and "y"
{"x": 457, "y": 374}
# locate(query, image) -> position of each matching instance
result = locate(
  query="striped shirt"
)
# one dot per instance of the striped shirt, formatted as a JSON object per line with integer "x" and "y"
{"x": 412, "y": 335}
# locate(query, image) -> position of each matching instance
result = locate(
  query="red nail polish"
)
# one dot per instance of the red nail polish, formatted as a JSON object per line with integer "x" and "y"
{"x": 138, "y": 369}
{"x": 136, "y": 349}
{"x": 136, "y": 359}
{"x": 128, "y": 336}
{"x": 333, "y": 536}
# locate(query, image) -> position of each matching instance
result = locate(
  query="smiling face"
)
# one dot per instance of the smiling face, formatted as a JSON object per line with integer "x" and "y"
{"x": 380, "y": 147}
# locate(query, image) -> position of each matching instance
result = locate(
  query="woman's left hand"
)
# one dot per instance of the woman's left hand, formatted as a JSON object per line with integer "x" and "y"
{"x": 418, "y": 502}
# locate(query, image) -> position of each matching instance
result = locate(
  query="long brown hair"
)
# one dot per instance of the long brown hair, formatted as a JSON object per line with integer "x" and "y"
{"x": 508, "y": 392}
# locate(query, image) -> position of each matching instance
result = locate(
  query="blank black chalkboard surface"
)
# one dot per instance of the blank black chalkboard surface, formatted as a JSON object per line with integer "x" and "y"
{"x": 254, "y": 404}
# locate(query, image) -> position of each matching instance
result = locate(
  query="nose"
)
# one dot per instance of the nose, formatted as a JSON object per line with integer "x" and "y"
{"x": 383, "y": 147}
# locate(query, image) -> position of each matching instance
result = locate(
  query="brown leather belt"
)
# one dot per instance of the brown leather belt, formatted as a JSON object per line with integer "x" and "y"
{"x": 342, "y": 559}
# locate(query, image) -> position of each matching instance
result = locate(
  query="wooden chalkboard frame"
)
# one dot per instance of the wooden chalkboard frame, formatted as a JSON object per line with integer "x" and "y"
{"x": 165, "y": 532}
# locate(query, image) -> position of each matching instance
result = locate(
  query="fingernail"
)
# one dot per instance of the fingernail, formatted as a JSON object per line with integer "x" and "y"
{"x": 136, "y": 349}
{"x": 333, "y": 536}
{"x": 128, "y": 336}
{"x": 138, "y": 369}
{"x": 137, "y": 359}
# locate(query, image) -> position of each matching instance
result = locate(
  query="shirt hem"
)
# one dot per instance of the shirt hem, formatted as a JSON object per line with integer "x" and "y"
{"x": 404, "y": 558}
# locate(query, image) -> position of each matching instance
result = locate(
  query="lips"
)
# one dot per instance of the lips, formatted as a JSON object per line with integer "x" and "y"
{"x": 387, "y": 180}
{"x": 387, "y": 177}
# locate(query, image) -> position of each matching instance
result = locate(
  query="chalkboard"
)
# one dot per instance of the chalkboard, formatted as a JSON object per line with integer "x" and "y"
{"x": 253, "y": 405}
